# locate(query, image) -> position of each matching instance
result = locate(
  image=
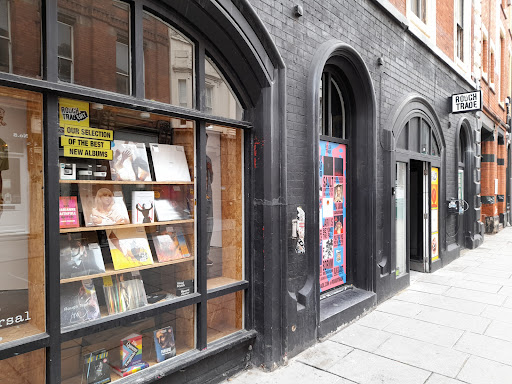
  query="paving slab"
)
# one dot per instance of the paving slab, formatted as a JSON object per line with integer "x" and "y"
{"x": 489, "y": 272}
{"x": 378, "y": 320}
{"x": 489, "y": 279}
{"x": 428, "y": 287}
{"x": 443, "y": 302}
{"x": 498, "y": 313}
{"x": 478, "y": 370}
{"x": 324, "y": 355}
{"x": 425, "y": 331}
{"x": 500, "y": 330}
{"x": 401, "y": 308}
{"x": 366, "y": 368}
{"x": 479, "y": 297}
{"x": 420, "y": 354}
{"x": 439, "y": 379}
{"x": 357, "y": 336}
{"x": 486, "y": 347}
{"x": 475, "y": 324}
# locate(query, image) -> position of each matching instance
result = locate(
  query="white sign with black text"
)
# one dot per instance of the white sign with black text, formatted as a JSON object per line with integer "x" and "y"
{"x": 466, "y": 102}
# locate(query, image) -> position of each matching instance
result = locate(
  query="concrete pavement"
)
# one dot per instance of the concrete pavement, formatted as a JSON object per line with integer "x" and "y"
{"x": 452, "y": 326}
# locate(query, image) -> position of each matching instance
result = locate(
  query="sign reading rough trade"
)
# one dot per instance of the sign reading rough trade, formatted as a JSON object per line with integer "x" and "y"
{"x": 466, "y": 102}
{"x": 333, "y": 192}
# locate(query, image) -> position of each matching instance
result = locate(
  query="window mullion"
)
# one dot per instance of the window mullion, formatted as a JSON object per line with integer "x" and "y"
{"x": 50, "y": 39}
{"x": 137, "y": 50}
{"x": 201, "y": 229}
{"x": 200, "y": 77}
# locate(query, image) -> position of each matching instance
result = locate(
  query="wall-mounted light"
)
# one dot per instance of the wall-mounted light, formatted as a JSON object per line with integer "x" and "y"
{"x": 97, "y": 106}
{"x": 145, "y": 115}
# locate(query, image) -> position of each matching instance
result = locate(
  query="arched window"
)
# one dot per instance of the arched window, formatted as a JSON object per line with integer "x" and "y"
{"x": 332, "y": 119}
{"x": 417, "y": 136}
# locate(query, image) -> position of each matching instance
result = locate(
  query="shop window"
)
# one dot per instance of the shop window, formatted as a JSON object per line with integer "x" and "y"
{"x": 224, "y": 205}
{"x": 22, "y": 276}
{"x": 127, "y": 210}
{"x": 123, "y": 65}
{"x": 29, "y": 368}
{"x": 223, "y": 101}
{"x": 20, "y": 37}
{"x": 94, "y": 48}
{"x": 460, "y": 29}
{"x": 417, "y": 136}
{"x": 104, "y": 355}
{"x": 168, "y": 63}
{"x": 332, "y": 108}
{"x": 65, "y": 52}
{"x": 403, "y": 140}
{"x": 419, "y": 8}
{"x": 5, "y": 37}
{"x": 435, "y": 146}
{"x": 225, "y": 315}
{"x": 485, "y": 55}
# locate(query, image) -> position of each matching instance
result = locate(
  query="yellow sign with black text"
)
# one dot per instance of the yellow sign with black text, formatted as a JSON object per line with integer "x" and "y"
{"x": 88, "y": 153}
{"x": 89, "y": 133}
{"x": 73, "y": 112}
{"x": 67, "y": 141}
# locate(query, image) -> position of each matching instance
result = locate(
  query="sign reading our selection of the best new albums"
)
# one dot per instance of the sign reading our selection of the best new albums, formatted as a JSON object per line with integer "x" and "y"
{"x": 467, "y": 102}
{"x": 79, "y": 139}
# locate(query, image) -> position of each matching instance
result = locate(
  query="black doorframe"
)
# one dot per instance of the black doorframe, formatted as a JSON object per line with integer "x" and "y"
{"x": 467, "y": 223}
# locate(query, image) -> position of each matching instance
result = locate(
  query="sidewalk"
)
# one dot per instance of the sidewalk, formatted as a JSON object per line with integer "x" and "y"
{"x": 452, "y": 326}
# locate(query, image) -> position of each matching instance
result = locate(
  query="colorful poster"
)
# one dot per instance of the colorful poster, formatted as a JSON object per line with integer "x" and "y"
{"x": 73, "y": 112}
{"x": 333, "y": 217}
{"x": 434, "y": 212}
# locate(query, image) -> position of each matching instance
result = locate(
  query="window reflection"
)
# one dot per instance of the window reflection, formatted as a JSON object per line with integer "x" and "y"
{"x": 21, "y": 215}
{"x": 219, "y": 98}
{"x": 168, "y": 63}
{"x": 94, "y": 44}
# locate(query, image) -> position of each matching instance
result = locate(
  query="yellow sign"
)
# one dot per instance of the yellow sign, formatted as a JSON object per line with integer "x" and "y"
{"x": 86, "y": 143}
{"x": 88, "y": 132}
{"x": 88, "y": 153}
{"x": 434, "y": 212}
{"x": 73, "y": 112}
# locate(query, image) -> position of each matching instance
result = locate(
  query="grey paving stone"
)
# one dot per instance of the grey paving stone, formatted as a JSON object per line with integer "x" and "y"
{"x": 500, "y": 330}
{"x": 377, "y": 319}
{"x": 476, "y": 286}
{"x": 428, "y": 287}
{"x": 478, "y": 371}
{"x": 489, "y": 279}
{"x": 443, "y": 302}
{"x": 366, "y": 368}
{"x": 489, "y": 272}
{"x": 508, "y": 303}
{"x": 357, "y": 336}
{"x": 423, "y": 355}
{"x": 453, "y": 319}
{"x": 498, "y": 313}
{"x": 399, "y": 307}
{"x": 507, "y": 291}
{"x": 479, "y": 297}
{"x": 452, "y": 274}
{"x": 425, "y": 331}
{"x": 439, "y": 379}
{"x": 435, "y": 279}
{"x": 324, "y": 355}
{"x": 486, "y": 347}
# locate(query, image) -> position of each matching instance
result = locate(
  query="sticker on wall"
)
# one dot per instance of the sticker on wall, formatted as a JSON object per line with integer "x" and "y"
{"x": 300, "y": 247}
{"x": 332, "y": 211}
{"x": 434, "y": 212}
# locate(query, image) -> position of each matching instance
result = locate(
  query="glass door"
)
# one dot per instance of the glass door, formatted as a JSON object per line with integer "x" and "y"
{"x": 401, "y": 218}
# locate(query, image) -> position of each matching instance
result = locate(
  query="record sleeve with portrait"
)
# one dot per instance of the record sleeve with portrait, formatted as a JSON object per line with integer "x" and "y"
{"x": 78, "y": 303}
{"x": 103, "y": 205}
{"x": 129, "y": 247}
{"x": 130, "y": 161}
{"x": 80, "y": 255}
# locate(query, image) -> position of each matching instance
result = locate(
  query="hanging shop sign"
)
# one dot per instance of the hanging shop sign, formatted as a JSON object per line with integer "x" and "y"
{"x": 466, "y": 102}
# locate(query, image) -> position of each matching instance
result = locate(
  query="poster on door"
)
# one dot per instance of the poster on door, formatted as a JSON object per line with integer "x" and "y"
{"x": 434, "y": 212}
{"x": 333, "y": 217}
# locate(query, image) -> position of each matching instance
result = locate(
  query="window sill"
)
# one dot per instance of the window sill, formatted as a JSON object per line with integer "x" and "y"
{"x": 485, "y": 78}
{"x": 502, "y": 105}
{"x": 491, "y": 87}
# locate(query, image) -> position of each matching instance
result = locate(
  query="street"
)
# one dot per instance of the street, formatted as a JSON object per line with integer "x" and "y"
{"x": 451, "y": 326}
